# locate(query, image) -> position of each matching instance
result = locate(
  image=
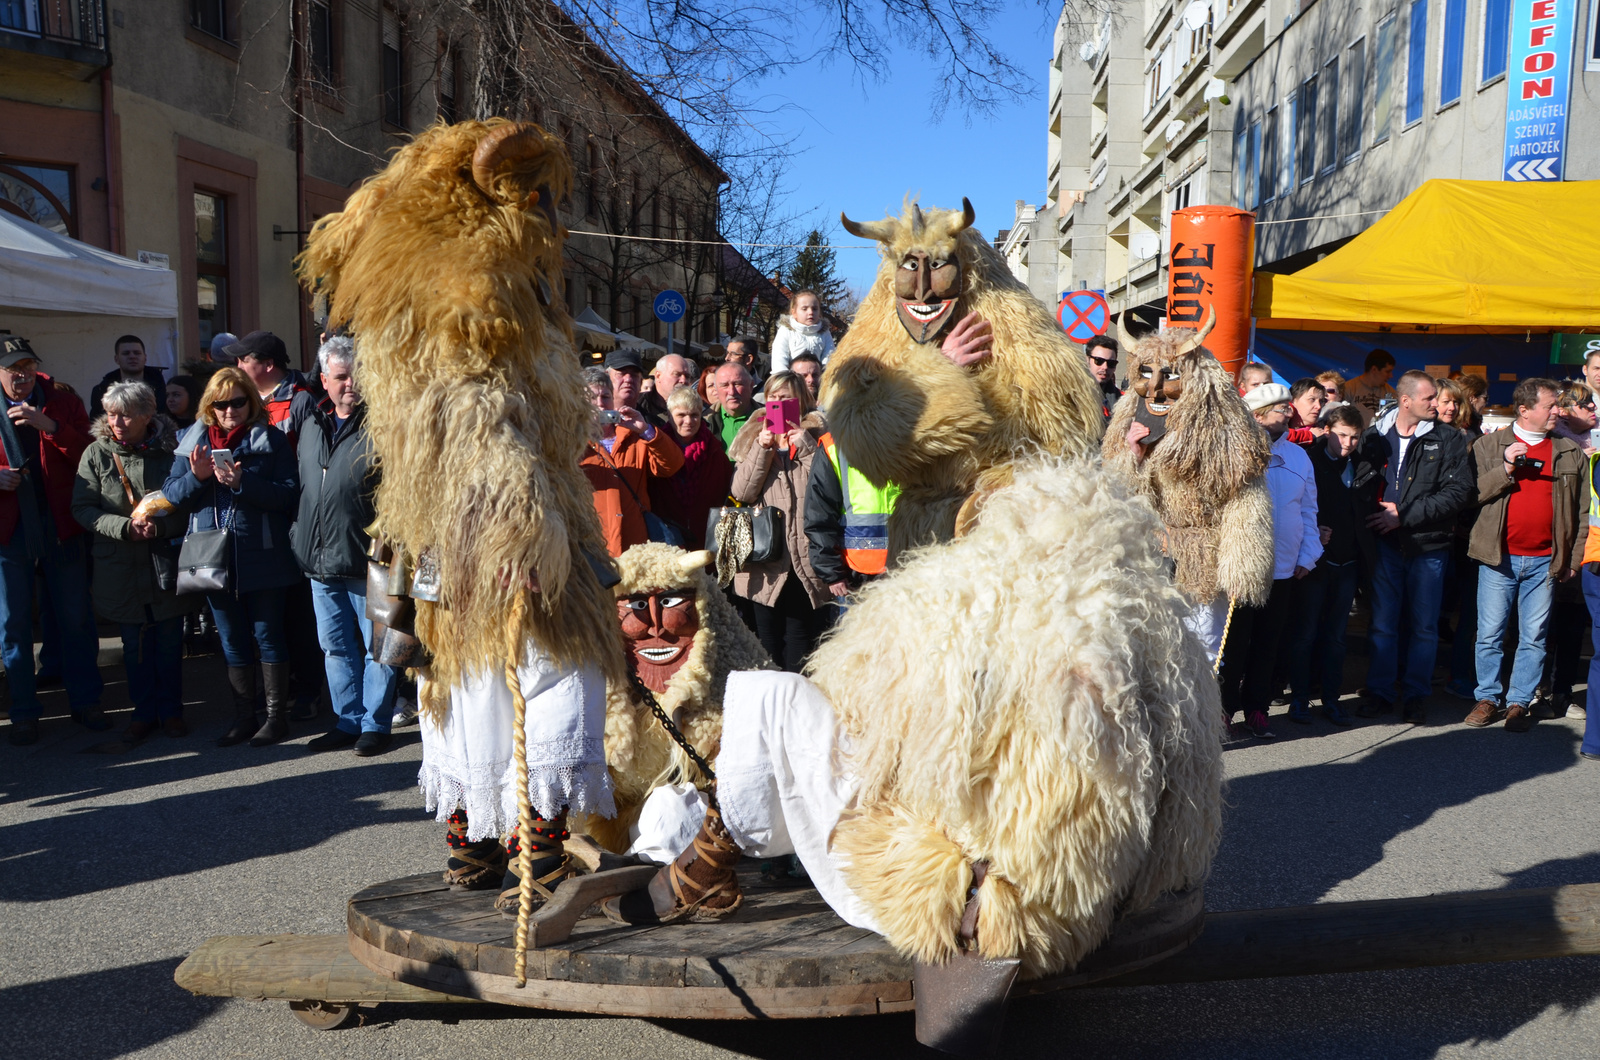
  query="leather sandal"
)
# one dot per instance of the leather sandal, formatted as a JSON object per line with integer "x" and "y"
{"x": 543, "y": 885}
{"x": 699, "y": 885}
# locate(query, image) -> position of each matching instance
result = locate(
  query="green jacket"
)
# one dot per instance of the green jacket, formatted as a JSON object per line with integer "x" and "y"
{"x": 124, "y": 578}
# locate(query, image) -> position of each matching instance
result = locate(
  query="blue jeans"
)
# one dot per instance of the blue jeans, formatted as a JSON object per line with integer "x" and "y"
{"x": 1413, "y": 584}
{"x": 66, "y": 589}
{"x": 1525, "y": 579}
{"x": 362, "y": 690}
{"x": 249, "y": 621}
{"x": 152, "y": 655}
{"x": 1591, "y": 729}
{"x": 1317, "y": 653}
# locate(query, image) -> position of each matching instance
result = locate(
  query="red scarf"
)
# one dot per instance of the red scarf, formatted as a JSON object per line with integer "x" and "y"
{"x": 221, "y": 439}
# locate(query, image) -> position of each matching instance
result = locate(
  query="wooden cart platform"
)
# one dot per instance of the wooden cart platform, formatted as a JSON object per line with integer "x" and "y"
{"x": 783, "y": 955}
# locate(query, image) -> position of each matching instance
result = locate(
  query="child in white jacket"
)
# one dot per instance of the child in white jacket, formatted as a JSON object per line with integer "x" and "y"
{"x": 801, "y": 331}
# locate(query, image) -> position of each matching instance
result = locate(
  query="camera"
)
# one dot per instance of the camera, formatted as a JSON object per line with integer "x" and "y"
{"x": 1527, "y": 461}
{"x": 610, "y": 417}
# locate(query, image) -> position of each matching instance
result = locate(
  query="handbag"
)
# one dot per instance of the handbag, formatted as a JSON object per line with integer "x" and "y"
{"x": 729, "y": 529}
{"x": 163, "y": 558}
{"x": 205, "y": 562}
{"x": 655, "y": 528}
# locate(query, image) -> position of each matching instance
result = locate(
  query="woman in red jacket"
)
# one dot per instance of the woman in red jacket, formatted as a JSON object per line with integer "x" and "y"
{"x": 622, "y": 458}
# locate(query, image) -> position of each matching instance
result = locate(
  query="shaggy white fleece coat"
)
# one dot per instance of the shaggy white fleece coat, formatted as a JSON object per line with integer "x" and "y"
{"x": 1026, "y": 695}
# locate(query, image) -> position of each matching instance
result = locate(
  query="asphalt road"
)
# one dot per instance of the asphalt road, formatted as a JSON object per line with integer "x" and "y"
{"x": 112, "y": 868}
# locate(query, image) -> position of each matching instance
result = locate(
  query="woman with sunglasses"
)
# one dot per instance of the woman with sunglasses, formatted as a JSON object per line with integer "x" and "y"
{"x": 1575, "y": 415}
{"x": 255, "y": 494}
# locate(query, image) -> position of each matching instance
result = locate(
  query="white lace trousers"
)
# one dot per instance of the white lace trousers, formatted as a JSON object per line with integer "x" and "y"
{"x": 467, "y": 760}
{"x": 783, "y": 780}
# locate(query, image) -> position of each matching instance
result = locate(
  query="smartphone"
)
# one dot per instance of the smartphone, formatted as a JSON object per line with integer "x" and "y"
{"x": 783, "y": 415}
{"x": 222, "y": 457}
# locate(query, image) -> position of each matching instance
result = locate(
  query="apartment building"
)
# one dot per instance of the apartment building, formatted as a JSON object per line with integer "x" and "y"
{"x": 1318, "y": 115}
{"x": 210, "y": 134}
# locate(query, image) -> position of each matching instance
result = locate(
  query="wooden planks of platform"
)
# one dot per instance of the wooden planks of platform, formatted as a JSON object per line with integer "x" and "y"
{"x": 783, "y": 954}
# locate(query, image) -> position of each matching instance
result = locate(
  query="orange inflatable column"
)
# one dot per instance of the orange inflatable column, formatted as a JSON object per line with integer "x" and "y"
{"x": 1211, "y": 267}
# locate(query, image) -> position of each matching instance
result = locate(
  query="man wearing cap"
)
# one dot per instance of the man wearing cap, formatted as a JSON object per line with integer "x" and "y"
{"x": 1426, "y": 480}
{"x": 128, "y": 352}
{"x": 42, "y": 436}
{"x": 1250, "y": 654}
{"x": 284, "y": 391}
{"x": 626, "y": 370}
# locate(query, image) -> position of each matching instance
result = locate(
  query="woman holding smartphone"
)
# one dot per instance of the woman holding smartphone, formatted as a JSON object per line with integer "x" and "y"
{"x": 233, "y": 469}
{"x": 771, "y": 465}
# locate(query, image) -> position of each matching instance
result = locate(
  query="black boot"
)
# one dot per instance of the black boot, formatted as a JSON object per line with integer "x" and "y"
{"x": 472, "y": 865}
{"x": 548, "y": 867}
{"x": 276, "y": 678}
{"x": 242, "y": 683}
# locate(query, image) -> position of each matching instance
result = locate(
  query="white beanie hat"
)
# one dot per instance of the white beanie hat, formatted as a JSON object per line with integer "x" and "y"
{"x": 1265, "y": 396}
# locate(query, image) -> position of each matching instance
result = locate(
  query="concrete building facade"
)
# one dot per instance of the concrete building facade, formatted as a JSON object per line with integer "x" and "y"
{"x": 211, "y": 134}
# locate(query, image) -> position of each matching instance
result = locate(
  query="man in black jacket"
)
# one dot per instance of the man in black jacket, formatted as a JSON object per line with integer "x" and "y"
{"x": 1424, "y": 476}
{"x": 131, "y": 368}
{"x": 330, "y": 543}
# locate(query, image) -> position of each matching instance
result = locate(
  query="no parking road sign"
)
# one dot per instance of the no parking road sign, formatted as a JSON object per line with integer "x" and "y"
{"x": 1083, "y": 315}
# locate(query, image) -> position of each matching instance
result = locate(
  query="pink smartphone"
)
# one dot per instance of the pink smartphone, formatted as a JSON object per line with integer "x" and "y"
{"x": 783, "y": 415}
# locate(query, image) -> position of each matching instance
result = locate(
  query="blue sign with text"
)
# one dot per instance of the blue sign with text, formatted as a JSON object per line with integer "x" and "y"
{"x": 670, "y": 307}
{"x": 1538, "y": 88}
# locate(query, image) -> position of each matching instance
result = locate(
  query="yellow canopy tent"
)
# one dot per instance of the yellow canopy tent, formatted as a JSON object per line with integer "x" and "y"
{"x": 1455, "y": 256}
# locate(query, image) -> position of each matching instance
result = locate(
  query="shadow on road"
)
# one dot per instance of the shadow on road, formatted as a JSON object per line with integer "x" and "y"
{"x": 100, "y": 1015}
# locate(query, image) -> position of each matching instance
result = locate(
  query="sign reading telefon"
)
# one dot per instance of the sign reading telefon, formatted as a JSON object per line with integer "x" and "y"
{"x": 1538, "y": 88}
{"x": 1212, "y": 264}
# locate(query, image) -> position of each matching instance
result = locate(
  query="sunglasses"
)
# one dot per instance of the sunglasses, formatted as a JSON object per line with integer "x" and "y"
{"x": 231, "y": 403}
{"x": 1103, "y": 361}
{"x": 1587, "y": 406}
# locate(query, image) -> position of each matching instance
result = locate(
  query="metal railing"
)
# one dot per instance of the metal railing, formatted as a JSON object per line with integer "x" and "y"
{"x": 81, "y": 22}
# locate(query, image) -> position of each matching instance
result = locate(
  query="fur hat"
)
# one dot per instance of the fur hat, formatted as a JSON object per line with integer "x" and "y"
{"x": 1266, "y": 395}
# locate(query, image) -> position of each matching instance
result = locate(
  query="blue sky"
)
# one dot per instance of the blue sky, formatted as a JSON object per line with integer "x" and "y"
{"x": 864, "y": 146}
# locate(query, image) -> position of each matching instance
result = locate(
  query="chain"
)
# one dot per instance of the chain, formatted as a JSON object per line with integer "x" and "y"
{"x": 671, "y": 727}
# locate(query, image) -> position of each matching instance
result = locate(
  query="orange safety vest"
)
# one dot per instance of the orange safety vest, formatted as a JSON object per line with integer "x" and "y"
{"x": 866, "y": 513}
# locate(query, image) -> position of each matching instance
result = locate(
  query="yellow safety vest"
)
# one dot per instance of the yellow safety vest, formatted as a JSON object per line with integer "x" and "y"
{"x": 866, "y": 513}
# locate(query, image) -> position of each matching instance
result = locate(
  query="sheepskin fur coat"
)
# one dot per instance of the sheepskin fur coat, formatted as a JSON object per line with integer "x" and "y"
{"x": 1026, "y": 695}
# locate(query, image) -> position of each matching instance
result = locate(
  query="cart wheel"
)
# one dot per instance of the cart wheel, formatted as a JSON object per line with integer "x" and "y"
{"x": 324, "y": 1015}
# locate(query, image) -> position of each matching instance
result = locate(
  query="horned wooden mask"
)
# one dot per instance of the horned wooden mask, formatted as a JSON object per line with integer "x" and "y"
{"x": 928, "y": 279}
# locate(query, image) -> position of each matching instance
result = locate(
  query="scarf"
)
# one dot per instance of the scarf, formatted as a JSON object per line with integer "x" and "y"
{"x": 221, "y": 439}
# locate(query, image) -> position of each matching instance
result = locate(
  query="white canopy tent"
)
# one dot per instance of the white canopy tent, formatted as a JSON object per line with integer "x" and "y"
{"x": 71, "y": 301}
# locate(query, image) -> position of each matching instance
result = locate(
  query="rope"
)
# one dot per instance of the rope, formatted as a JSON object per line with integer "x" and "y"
{"x": 1227, "y": 624}
{"x": 734, "y": 543}
{"x": 524, "y": 804}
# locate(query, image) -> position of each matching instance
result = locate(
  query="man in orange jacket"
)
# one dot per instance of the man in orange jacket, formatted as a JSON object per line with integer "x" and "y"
{"x": 626, "y": 453}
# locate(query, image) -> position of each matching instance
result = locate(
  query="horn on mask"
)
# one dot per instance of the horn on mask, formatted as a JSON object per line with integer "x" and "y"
{"x": 693, "y": 561}
{"x": 1200, "y": 336}
{"x": 968, "y": 215}
{"x": 881, "y": 231}
{"x": 1124, "y": 336}
{"x": 918, "y": 222}
{"x": 513, "y": 142}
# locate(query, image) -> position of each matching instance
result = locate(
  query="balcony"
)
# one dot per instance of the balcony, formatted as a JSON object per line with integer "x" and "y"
{"x": 72, "y": 32}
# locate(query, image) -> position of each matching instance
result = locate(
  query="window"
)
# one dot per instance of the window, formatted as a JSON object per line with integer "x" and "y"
{"x": 572, "y": 157}
{"x": 1416, "y": 60}
{"x": 655, "y": 213}
{"x": 591, "y": 185}
{"x": 1241, "y": 142}
{"x": 1269, "y": 157}
{"x": 211, "y": 264}
{"x": 1328, "y": 130}
{"x": 1306, "y": 122}
{"x": 319, "y": 19}
{"x": 1252, "y": 179}
{"x": 1496, "y": 39}
{"x": 1181, "y": 195}
{"x": 1383, "y": 82}
{"x": 1592, "y": 61}
{"x": 394, "y": 111}
{"x": 1355, "y": 74}
{"x": 594, "y": 302}
{"x": 208, "y": 16}
{"x": 448, "y": 85}
{"x": 39, "y": 193}
{"x": 1453, "y": 52}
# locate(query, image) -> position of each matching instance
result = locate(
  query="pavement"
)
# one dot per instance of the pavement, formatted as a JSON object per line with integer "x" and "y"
{"x": 114, "y": 867}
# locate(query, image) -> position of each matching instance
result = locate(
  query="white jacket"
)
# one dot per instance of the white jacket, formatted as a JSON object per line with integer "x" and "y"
{"x": 1293, "y": 485}
{"x": 794, "y": 339}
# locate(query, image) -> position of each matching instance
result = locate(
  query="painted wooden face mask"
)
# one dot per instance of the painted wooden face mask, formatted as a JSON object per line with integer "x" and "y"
{"x": 1157, "y": 377}
{"x": 659, "y": 627}
{"x": 928, "y": 279}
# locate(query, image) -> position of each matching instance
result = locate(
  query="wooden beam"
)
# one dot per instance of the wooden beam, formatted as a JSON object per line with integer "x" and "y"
{"x": 294, "y": 967}
{"x": 1469, "y": 928}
